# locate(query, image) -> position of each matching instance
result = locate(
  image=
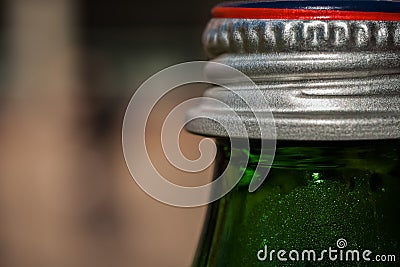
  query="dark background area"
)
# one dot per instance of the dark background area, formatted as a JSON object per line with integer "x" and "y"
{"x": 67, "y": 72}
{"x": 133, "y": 14}
{"x": 135, "y": 39}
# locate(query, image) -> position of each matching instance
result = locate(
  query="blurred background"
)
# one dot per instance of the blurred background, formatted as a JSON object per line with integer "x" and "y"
{"x": 67, "y": 72}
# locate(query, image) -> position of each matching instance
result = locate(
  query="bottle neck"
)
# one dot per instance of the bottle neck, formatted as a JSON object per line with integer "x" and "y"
{"x": 378, "y": 156}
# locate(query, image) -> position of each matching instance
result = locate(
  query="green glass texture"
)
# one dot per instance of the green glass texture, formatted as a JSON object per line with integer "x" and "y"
{"x": 315, "y": 194}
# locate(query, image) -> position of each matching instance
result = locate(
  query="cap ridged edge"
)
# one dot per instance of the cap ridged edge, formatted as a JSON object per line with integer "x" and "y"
{"x": 241, "y": 36}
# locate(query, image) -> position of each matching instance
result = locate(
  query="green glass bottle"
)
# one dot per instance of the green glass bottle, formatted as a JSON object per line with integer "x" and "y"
{"x": 330, "y": 72}
{"x": 315, "y": 194}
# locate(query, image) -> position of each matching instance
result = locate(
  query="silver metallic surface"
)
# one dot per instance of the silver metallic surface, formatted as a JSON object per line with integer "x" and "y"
{"x": 312, "y": 65}
{"x": 324, "y": 80}
{"x": 239, "y": 36}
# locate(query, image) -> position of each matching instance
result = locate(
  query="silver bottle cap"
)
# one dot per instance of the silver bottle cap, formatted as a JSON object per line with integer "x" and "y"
{"x": 328, "y": 74}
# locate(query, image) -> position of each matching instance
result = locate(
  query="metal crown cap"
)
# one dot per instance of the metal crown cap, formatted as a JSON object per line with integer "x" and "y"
{"x": 283, "y": 26}
{"x": 330, "y": 69}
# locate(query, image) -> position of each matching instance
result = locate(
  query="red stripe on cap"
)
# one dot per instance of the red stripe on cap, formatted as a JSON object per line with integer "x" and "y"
{"x": 300, "y": 14}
